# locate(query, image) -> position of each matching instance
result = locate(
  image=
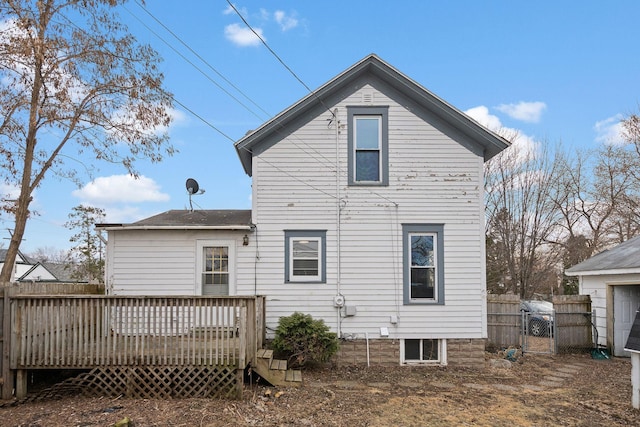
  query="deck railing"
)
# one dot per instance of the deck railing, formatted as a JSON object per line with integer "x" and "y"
{"x": 73, "y": 331}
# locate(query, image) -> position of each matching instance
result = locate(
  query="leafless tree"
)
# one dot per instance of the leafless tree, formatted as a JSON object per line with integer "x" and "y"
{"x": 520, "y": 215}
{"x": 73, "y": 81}
{"x": 50, "y": 254}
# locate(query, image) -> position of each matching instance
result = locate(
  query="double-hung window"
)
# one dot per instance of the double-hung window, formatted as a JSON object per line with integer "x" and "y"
{"x": 423, "y": 263}
{"x": 368, "y": 145}
{"x": 305, "y": 253}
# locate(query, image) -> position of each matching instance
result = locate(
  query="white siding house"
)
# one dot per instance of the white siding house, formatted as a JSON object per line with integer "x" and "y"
{"x": 612, "y": 279}
{"x": 367, "y": 212}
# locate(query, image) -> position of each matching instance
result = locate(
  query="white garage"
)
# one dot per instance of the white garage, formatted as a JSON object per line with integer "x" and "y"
{"x": 612, "y": 279}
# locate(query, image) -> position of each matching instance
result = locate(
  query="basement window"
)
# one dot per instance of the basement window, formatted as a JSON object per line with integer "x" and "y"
{"x": 419, "y": 351}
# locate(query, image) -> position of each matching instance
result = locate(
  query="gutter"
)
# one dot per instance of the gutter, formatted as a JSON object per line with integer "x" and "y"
{"x": 112, "y": 227}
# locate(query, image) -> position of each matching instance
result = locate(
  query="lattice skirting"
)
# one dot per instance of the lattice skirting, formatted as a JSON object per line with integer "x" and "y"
{"x": 162, "y": 382}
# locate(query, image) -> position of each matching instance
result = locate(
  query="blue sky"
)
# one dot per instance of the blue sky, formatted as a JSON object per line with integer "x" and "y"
{"x": 555, "y": 71}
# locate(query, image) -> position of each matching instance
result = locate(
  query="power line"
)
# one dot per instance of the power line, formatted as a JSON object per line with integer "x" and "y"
{"x": 200, "y": 58}
{"x": 194, "y": 65}
{"x": 277, "y": 57}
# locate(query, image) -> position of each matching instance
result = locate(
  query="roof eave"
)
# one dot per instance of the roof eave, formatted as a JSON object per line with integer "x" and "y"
{"x": 611, "y": 271}
{"x": 492, "y": 142}
{"x": 249, "y": 227}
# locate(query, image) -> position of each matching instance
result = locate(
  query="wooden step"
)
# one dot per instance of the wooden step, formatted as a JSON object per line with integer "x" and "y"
{"x": 275, "y": 371}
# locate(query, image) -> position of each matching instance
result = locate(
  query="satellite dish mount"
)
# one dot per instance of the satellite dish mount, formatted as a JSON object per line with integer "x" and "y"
{"x": 193, "y": 189}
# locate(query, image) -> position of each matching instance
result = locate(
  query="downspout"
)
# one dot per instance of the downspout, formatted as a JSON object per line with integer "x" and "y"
{"x": 338, "y": 218}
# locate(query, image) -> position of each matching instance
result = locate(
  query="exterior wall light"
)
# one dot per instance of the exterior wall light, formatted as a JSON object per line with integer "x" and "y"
{"x": 245, "y": 240}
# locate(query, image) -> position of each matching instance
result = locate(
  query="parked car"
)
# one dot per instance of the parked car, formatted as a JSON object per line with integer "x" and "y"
{"x": 539, "y": 317}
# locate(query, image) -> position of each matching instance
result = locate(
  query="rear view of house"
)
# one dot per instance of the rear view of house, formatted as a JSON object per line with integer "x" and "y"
{"x": 367, "y": 212}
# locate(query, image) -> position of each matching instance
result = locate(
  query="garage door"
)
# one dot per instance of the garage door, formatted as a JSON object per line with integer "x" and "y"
{"x": 626, "y": 300}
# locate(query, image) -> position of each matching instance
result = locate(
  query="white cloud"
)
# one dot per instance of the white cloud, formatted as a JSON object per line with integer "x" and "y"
{"x": 523, "y": 144}
{"x": 525, "y": 111}
{"x": 229, "y": 10}
{"x": 121, "y": 189}
{"x": 242, "y": 36}
{"x": 481, "y": 115}
{"x": 285, "y": 21}
{"x": 609, "y": 131}
{"x": 125, "y": 214}
{"x": 8, "y": 191}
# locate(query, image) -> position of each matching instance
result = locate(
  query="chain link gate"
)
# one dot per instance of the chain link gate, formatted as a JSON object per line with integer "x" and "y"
{"x": 539, "y": 332}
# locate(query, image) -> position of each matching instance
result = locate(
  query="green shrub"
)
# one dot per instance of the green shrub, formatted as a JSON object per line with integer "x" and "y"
{"x": 304, "y": 340}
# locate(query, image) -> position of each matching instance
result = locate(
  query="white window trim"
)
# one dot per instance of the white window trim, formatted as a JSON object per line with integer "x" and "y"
{"x": 379, "y": 119}
{"x": 381, "y": 112}
{"x": 437, "y": 230}
{"x": 434, "y": 266}
{"x": 317, "y": 277}
{"x": 442, "y": 354}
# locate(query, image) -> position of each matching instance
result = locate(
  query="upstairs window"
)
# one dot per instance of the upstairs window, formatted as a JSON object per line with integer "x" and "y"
{"x": 368, "y": 146}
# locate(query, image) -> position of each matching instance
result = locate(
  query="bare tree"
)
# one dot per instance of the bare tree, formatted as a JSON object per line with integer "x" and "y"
{"x": 72, "y": 80}
{"x": 520, "y": 215}
{"x": 50, "y": 254}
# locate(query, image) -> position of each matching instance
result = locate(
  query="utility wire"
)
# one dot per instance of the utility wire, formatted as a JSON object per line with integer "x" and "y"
{"x": 328, "y": 161}
{"x": 277, "y": 57}
{"x": 194, "y": 65}
{"x": 201, "y": 58}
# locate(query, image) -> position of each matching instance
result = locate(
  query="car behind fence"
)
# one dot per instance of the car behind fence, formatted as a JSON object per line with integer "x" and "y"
{"x": 567, "y": 328}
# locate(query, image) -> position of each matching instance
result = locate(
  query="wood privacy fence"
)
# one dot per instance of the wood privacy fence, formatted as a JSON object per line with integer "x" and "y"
{"x": 572, "y": 319}
{"x": 573, "y": 323}
{"x": 504, "y": 321}
{"x": 88, "y": 331}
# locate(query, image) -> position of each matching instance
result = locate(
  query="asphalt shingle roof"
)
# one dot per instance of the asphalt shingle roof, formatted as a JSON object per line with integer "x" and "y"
{"x": 181, "y": 218}
{"x": 622, "y": 257}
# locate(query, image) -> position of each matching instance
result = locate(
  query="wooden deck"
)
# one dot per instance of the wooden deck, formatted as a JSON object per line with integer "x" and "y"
{"x": 98, "y": 331}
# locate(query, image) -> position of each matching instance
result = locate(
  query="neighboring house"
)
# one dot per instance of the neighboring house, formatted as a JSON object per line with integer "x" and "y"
{"x": 612, "y": 279}
{"x": 367, "y": 213}
{"x": 28, "y": 270}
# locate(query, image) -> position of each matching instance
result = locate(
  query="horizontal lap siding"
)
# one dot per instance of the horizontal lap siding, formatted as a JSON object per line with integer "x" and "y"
{"x": 596, "y": 288}
{"x": 160, "y": 262}
{"x": 432, "y": 179}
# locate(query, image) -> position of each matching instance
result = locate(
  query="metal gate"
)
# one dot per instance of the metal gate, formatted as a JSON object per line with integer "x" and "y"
{"x": 539, "y": 332}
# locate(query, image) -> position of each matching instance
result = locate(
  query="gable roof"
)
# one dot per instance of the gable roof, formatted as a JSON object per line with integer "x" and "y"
{"x": 624, "y": 258}
{"x": 38, "y": 272}
{"x": 188, "y": 220}
{"x": 372, "y": 67}
{"x": 20, "y": 257}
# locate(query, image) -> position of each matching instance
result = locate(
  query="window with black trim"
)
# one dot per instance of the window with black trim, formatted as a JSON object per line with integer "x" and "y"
{"x": 368, "y": 135}
{"x": 305, "y": 255}
{"x": 423, "y": 263}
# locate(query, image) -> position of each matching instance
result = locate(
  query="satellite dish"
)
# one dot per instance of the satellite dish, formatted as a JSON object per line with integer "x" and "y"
{"x": 192, "y": 186}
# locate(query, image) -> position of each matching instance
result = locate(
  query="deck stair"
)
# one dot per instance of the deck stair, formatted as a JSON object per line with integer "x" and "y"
{"x": 275, "y": 371}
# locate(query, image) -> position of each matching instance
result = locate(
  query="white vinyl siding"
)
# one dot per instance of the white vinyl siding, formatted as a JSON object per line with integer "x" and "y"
{"x": 432, "y": 180}
{"x": 166, "y": 262}
{"x": 598, "y": 287}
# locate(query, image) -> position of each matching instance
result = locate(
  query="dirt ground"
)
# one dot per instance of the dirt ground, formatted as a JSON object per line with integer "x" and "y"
{"x": 572, "y": 390}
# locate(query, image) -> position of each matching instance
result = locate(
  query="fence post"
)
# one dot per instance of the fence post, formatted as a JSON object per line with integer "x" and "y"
{"x": 7, "y": 373}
